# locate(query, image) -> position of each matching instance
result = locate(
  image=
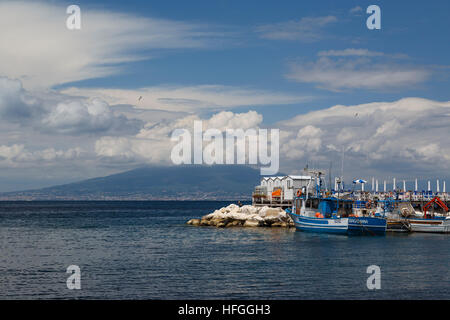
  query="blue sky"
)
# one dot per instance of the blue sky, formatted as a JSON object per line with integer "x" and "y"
{"x": 68, "y": 99}
{"x": 416, "y": 29}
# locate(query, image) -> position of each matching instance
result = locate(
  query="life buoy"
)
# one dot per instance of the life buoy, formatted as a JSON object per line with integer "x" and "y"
{"x": 368, "y": 204}
{"x": 299, "y": 193}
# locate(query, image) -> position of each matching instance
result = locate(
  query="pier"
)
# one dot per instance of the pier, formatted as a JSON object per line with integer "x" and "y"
{"x": 280, "y": 191}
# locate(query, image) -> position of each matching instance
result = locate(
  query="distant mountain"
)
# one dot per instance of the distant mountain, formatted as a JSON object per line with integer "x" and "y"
{"x": 219, "y": 182}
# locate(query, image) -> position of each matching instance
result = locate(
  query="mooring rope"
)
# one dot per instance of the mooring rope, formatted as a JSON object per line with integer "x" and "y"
{"x": 372, "y": 233}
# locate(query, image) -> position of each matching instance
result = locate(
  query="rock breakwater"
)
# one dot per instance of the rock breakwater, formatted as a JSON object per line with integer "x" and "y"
{"x": 245, "y": 216}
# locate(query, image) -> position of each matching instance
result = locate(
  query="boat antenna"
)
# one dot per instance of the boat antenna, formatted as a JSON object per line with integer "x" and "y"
{"x": 329, "y": 176}
{"x": 342, "y": 164}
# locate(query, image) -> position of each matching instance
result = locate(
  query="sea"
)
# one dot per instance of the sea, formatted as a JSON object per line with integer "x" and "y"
{"x": 145, "y": 250}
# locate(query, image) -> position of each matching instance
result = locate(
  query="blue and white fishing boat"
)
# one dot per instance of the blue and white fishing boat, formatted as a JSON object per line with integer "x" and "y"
{"x": 354, "y": 216}
{"x": 317, "y": 214}
{"x": 317, "y": 220}
{"x": 366, "y": 219}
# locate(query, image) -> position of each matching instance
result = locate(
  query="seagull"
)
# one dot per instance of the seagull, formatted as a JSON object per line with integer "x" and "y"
{"x": 356, "y": 114}
{"x": 140, "y": 98}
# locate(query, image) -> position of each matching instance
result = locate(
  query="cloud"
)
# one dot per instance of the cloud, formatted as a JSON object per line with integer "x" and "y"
{"x": 383, "y": 138}
{"x": 350, "y": 52}
{"x": 19, "y": 156}
{"x": 38, "y": 48}
{"x": 75, "y": 117}
{"x": 362, "y": 72}
{"x": 56, "y": 113}
{"x": 357, "y": 11}
{"x": 153, "y": 145}
{"x": 189, "y": 98}
{"x": 353, "y": 52}
{"x": 305, "y": 29}
{"x": 307, "y": 140}
{"x": 229, "y": 120}
{"x": 405, "y": 136}
{"x": 16, "y": 104}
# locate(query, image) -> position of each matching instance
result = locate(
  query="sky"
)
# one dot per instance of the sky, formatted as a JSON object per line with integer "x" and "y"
{"x": 76, "y": 104}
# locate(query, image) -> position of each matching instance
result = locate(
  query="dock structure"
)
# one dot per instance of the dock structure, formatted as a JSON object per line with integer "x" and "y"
{"x": 280, "y": 191}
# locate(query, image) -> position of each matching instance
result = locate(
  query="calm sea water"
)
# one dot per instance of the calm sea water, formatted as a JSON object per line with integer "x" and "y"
{"x": 144, "y": 250}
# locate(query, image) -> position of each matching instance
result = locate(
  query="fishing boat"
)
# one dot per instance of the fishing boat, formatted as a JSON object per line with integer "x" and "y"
{"x": 367, "y": 218}
{"x": 321, "y": 219}
{"x": 397, "y": 225}
{"x": 434, "y": 225}
{"x": 315, "y": 213}
{"x": 395, "y": 213}
{"x": 398, "y": 211}
{"x": 434, "y": 221}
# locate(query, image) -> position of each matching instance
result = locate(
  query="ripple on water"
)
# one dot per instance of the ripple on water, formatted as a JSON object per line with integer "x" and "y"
{"x": 144, "y": 250}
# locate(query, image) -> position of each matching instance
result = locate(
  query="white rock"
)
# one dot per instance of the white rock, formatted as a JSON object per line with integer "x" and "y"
{"x": 253, "y": 215}
{"x": 251, "y": 223}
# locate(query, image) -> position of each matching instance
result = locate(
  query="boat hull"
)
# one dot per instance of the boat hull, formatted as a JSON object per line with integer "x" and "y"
{"x": 367, "y": 225}
{"x": 430, "y": 225}
{"x": 310, "y": 224}
{"x": 397, "y": 225}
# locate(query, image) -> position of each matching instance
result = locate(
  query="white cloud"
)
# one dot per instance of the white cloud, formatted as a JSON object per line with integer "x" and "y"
{"x": 37, "y": 47}
{"x": 92, "y": 116}
{"x": 230, "y": 120}
{"x": 350, "y": 52}
{"x": 407, "y": 136}
{"x": 349, "y": 72}
{"x": 307, "y": 140}
{"x": 356, "y": 11}
{"x": 58, "y": 113}
{"x": 153, "y": 144}
{"x": 305, "y": 29}
{"x": 16, "y": 104}
{"x": 385, "y": 137}
{"x": 359, "y": 52}
{"x": 19, "y": 156}
{"x": 189, "y": 98}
